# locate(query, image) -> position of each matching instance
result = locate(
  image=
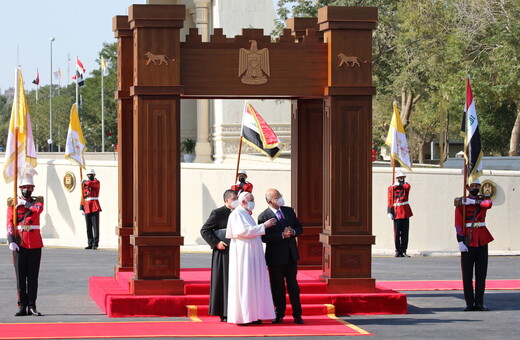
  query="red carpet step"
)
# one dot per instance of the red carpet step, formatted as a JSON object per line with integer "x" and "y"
{"x": 113, "y": 297}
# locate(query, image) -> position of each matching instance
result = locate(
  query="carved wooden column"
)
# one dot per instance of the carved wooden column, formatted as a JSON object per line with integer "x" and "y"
{"x": 347, "y": 184}
{"x": 307, "y": 176}
{"x": 156, "y": 97}
{"x": 125, "y": 148}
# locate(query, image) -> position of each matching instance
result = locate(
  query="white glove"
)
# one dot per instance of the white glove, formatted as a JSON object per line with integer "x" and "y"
{"x": 21, "y": 203}
{"x": 82, "y": 212}
{"x": 390, "y": 216}
{"x": 462, "y": 247}
{"x": 13, "y": 246}
{"x": 469, "y": 201}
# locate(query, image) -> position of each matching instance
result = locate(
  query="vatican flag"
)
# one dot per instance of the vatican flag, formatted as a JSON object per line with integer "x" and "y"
{"x": 397, "y": 141}
{"x": 75, "y": 147}
{"x": 20, "y": 153}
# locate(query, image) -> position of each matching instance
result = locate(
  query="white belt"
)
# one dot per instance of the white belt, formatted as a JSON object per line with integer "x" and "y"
{"x": 91, "y": 199}
{"x": 28, "y": 227}
{"x": 400, "y": 204}
{"x": 476, "y": 225}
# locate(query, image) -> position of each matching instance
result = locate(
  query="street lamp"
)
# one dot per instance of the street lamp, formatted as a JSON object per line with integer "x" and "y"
{"x": 50, "y": 106}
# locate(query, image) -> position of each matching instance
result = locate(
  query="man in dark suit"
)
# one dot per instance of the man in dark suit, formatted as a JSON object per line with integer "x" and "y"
{"x": 281, "y": 254}
{"x": 213, "y": 232}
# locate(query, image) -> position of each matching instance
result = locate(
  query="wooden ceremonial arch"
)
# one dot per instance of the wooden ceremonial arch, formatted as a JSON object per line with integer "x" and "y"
{"x": 322, "y": 64}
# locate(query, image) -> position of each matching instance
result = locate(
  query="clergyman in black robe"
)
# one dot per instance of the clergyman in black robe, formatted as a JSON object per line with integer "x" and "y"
{"x": 213, "y": 232}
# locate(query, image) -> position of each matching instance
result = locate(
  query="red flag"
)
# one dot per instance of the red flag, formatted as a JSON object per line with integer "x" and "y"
{"x": 36, "y": 80}
{"x": 79, "y": 66}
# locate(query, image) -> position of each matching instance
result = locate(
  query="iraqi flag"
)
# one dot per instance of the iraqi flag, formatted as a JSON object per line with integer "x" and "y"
{"x": 396, "y": 140}
{"x": 80, "y": 70}
{"x": 258, "y": 134}
{"x": 472, "y": 147}
{"x": 36, "y": 80}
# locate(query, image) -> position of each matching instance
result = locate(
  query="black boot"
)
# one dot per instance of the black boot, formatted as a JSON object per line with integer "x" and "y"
{"x": 22, "y": 311}
{"x": 33, "y": 311}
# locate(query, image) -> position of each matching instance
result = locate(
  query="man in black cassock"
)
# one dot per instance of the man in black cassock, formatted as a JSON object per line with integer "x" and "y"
{"x": 213, "y": 232}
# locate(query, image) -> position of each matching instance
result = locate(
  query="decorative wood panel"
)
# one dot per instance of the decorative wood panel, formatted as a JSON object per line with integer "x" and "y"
{"x": 157, "y": 167}
{"x": 307, "y": 175}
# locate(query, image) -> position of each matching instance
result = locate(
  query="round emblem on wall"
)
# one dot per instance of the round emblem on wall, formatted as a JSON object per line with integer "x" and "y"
{"x": 69, "y": 181}
{"x": 488, "y": 189}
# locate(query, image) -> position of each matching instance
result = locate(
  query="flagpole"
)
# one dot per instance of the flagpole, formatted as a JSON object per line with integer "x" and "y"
{"x": 239, "y": 153}
{"x": 16, "y": 102}
{"x": 102, "y": 109}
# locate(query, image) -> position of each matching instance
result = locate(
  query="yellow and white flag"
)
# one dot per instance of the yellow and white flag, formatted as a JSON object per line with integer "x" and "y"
{"x": 397, "y": 141}
{"x": 104, "y": 67}
{"x": 20, "y": 152}
{"x": 75, "y": 147}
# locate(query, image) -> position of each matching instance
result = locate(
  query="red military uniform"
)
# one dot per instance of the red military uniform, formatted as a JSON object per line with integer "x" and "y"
{"x": 242, "y": 187}
{"x": 91, "y": 195}
{"x": 398, "y": 201}
{"x": 479, "y": 234}
{"x": 475, "y": 258}
{"x": 28, "y": 225}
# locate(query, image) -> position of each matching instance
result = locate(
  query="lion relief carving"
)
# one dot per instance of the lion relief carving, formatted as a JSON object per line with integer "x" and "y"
{"x": 154, "y": 58}
{"x": 349, "y": 59}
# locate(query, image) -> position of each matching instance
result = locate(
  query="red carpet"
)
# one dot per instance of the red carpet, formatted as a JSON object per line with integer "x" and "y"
{"x": 446, "y": 285}
{"x": 205, "y": 327}
{"x": 113, "y": 297}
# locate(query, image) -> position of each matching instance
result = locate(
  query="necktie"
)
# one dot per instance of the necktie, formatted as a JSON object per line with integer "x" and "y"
{"x": 280, "y": 216}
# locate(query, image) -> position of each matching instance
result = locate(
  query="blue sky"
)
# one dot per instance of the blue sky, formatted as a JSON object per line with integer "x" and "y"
{"x": 79, "y": 29}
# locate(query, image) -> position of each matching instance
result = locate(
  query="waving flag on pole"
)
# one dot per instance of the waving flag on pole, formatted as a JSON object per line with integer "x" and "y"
{"x": 75, "y": 146}
{"x": 396, "y": 139}
{"x": 472, "y": 147}
{"x": 104, "y": 67}
{"x": 20, "y": 141}
{"x": 258, "y": 134}
{"x": 80, "y": 70}
{"x": 36, "y": 80}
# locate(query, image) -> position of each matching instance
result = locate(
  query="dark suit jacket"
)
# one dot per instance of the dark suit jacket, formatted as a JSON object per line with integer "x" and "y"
{"x": 217, "y": 220}
{"x": 278, "y": 250}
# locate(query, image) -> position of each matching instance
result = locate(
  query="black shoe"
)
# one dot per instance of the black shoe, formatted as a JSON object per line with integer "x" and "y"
{"x": 22, "y": 311}
{"x": 88, "y": 247}
{"x": 469, "y": 309}
{"x": 95, "y": 247}
{"x": 257, "y": 322}
{"x": 278, "y": 319}
{"x": 298, "y": 320}
{"x": 243, "y": 324}
{"x": 33, "y": 311}
{"x": 481, "y": 308}
{"x": 405, "y": 255}
{"x": 223, "y": 319}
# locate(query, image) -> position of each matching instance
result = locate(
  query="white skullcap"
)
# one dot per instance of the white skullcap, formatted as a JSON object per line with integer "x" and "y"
{"x": 242, "y": 196}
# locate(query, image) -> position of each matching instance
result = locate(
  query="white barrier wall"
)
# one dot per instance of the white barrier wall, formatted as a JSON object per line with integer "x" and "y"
{"x": 431, "y": 199}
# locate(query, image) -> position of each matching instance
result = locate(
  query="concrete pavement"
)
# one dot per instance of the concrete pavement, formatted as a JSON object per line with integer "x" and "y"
{"x": 63, "y": 294}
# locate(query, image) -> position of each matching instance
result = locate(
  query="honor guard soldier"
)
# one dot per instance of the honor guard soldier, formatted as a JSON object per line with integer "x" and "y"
{"x": 25, "y": 242}
{"x": 242, "y": 183}
{"x": 91, "y": 208}
{"x": 399, "y": 211}
{"x": 473, "y": 237}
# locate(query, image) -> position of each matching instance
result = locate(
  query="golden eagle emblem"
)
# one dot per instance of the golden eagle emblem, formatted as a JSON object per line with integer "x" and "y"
{"x": 253, "y": 65}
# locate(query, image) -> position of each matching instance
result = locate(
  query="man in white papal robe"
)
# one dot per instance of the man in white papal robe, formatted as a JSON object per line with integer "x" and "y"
{"x": 249, "y": 292}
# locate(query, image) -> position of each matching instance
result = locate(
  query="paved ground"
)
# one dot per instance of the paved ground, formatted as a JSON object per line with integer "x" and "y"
{"x": 63, "y": 295}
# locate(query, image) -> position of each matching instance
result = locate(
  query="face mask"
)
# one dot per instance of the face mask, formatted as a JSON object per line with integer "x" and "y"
{"x": 90, "y": 177}
{"x": 250, "y": 205}
{"x": 280, "y": 202}
{"x": 234, "y": 204}
{"x": 26, "y": 193}
{"x": 401, "y": 181}
{"x": 242, "y": 180}
{"x": 474, "y": 192}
